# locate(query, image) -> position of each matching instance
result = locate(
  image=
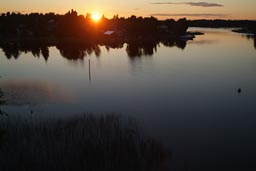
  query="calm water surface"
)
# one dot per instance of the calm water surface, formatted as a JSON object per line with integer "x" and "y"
{"x": 185, "y": 95}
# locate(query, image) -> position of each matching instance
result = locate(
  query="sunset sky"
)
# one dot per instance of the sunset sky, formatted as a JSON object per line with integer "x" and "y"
{"x": 191, "y": 9}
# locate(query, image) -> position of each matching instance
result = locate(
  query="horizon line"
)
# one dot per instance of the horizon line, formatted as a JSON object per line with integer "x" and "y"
{"x": 156, "y": 15}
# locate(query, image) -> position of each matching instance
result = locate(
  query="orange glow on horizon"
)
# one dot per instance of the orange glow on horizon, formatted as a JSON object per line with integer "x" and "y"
{"x": 234, "y": 10}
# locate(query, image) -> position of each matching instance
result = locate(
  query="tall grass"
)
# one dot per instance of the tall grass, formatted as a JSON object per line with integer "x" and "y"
{"x": 88, "y": 142}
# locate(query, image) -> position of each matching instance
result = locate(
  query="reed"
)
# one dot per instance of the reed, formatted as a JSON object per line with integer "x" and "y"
{"x": 88, "y": 142}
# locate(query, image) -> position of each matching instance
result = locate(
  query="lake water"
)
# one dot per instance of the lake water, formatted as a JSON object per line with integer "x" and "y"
{"x": 183, "y": 94}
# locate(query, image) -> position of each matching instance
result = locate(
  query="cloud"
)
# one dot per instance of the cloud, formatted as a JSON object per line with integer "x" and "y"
{"x": 190, "y": 15}
{"x": 197, "y": 4}
{"x": 165, "y": 3}
{"x": 204, "y": 4}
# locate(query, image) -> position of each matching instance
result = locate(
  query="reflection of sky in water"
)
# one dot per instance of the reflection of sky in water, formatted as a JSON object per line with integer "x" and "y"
{"x": 187, "y": 98}
{"x": 208, "y": 71}
{"x": 34, "y": 92}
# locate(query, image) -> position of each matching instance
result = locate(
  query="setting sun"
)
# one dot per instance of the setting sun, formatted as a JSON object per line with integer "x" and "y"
{"x": 96, "y": 16}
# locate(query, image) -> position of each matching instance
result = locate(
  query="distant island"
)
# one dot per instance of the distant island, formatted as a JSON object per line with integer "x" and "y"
{"x": 242, "y": 26}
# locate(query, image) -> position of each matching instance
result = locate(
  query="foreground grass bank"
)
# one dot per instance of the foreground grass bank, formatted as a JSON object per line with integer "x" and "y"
{"x": 88, "y": 142}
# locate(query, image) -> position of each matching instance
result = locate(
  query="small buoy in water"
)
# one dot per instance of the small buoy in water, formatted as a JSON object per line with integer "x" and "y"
{"x": 239, "y": 90}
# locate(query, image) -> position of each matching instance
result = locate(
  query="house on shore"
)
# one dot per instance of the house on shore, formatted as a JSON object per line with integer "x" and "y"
{"x": 110, "y": 34}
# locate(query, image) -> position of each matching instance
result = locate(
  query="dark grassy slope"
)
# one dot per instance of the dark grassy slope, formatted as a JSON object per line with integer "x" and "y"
{"x": 86, "y": 143}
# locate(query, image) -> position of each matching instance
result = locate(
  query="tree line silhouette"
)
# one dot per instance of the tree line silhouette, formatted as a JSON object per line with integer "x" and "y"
{"x": 72, "y": 25}
{"x": 17, "y": 25}
{"x": 249, "y": 24}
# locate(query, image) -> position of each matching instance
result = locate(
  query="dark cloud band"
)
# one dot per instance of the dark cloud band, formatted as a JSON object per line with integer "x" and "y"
{"x": 197, "y": 4}
{"x": 190, "y": 15}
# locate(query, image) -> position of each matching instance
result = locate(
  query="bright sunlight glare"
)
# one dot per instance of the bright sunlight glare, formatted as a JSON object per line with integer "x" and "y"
{"x": 96, "y": 16}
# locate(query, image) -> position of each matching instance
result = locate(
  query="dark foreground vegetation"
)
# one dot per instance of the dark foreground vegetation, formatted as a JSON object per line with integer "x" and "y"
{"x": 89, "y": 142}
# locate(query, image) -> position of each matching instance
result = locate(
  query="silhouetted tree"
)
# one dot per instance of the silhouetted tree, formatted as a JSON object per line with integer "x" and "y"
{"x": 180, "y": 27}
{"x": 71, "y": 25}
{"x": 170, "y": 23}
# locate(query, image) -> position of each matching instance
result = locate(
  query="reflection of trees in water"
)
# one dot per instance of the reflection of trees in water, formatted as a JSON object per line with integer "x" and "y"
{"x": 172, "y": 43}
{"x": 251, "y": 37}
{"x": 135, "y": 49}
{"x": 37, "y": 48}
{"x": 72, "y": 51}
{"x": 45, "y": 52}
{"x": 141, "y": 49}
{"x": 78, "y": 51}
{"x": 112, "y": 44}
{"x": 248, "y": 36}
{"x": 89, "y": 142}
{"x": 11, "y": 51}
{"x": 255, "y": 42}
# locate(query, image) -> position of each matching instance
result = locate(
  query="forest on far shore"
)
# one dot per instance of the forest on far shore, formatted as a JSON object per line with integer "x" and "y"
{"x": 72, "y": 25}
